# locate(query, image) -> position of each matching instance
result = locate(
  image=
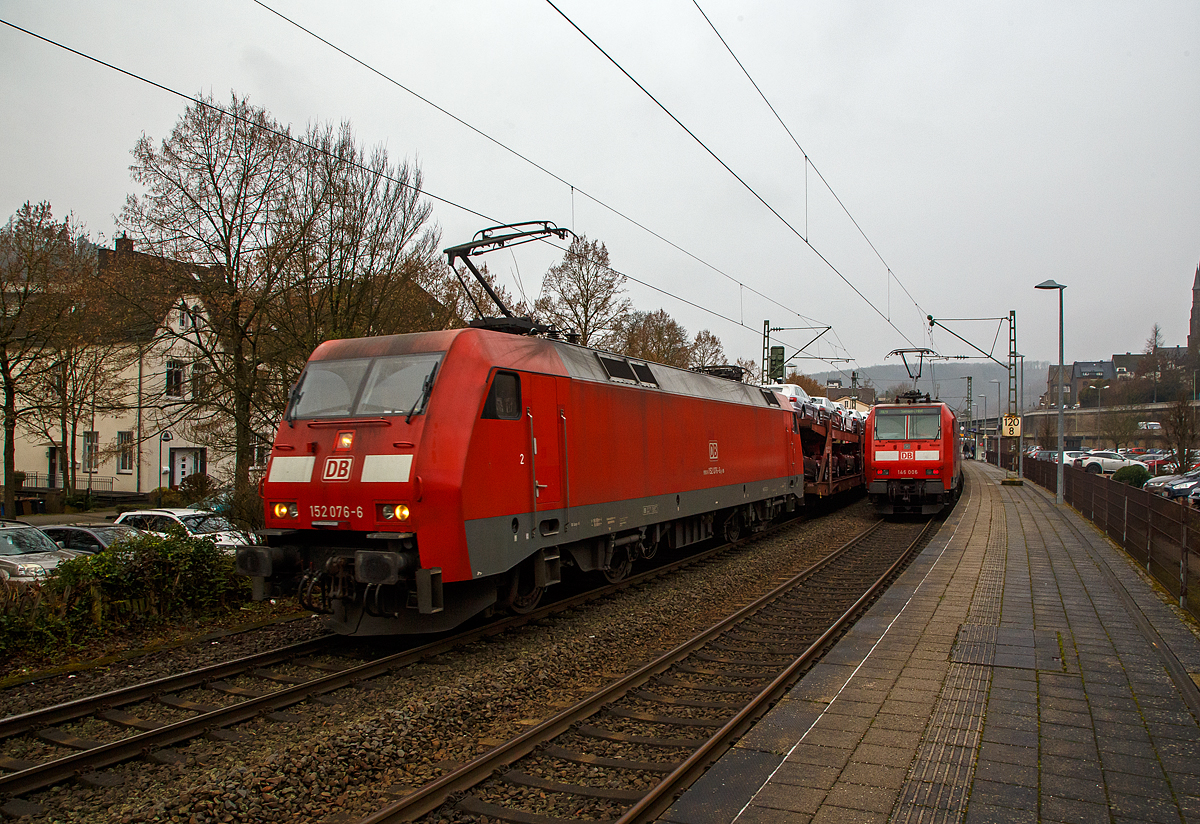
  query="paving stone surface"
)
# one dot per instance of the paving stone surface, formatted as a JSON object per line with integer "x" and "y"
{"x": 1003, "y": 678}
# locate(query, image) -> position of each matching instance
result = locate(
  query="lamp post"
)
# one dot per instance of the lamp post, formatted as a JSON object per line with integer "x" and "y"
{"x": 998, "y": 430}
{"x": 1050, "y": 284}
{"x": 1021, "y": 415}
{"x": 164, "y": 438}
{"x": 984, "y": 424}
{"x": 1098, "y": 388}
{"x": 974, "y": 426}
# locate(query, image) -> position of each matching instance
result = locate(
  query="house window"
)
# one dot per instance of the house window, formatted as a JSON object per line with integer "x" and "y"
{"x": 125, "y": 452}
{"x": 91, "y": 451}
{"x": 201, "y": 381}
{"x": 174, "y": 387}
{"x": 262, "y": 451}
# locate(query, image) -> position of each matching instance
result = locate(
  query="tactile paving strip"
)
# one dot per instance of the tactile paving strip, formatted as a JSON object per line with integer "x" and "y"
{"x": 940, "y": 778}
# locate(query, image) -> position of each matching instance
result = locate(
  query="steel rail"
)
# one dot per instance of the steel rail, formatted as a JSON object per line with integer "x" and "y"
{"x": 142, "y": 744}
{"x": 83, "y": 707}
{"x": 433, "y": 794}
{"x": 662, "y": 795}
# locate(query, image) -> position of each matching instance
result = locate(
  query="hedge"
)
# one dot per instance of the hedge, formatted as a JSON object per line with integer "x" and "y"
{"x": 146, "y": 579}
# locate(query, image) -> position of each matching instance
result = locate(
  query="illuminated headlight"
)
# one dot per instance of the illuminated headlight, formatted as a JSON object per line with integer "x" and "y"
{"x": 285, "y": 511}
{"x": 393, "y": 512}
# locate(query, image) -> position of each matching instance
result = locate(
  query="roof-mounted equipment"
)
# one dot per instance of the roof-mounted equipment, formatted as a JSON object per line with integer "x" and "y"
{"x": 499, "y": 237}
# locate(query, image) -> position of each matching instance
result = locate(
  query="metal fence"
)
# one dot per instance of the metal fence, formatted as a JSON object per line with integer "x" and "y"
{"x": 1161, "y": 535}
{"x": 41, "y": 480}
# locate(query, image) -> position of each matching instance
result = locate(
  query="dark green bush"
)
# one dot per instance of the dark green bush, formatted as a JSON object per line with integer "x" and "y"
{"x": 1133, "y": 475}
{"x": 196, "y": 487}
{"x": 146, "y": 579}
{"x": 164, "y": 496}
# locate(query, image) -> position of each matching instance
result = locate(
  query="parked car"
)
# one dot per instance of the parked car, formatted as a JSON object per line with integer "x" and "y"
{"x": 1068, "y": 455}
{"x": 90, "y": 538}
{"x": 1181, "y": 486}
{"x": 27, "y": 554}
{"x": 197, "y": 523}
{"x": 220, "y": 502}
{"x": 1158, "y": 484}
{"x": 1097, "y": 462}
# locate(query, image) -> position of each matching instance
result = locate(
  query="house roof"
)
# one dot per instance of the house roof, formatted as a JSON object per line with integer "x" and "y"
{"x": 1102, "y": 370}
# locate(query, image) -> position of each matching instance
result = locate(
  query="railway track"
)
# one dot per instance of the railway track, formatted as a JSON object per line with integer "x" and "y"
{"x": 625, "y": 752}
{"x": 130, "y": 724}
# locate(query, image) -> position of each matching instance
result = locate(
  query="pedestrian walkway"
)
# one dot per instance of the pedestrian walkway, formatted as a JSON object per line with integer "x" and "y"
{"x": 1020, "y": 670}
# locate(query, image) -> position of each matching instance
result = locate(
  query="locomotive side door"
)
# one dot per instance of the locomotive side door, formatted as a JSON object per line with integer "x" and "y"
{"x": 542, "y": 414}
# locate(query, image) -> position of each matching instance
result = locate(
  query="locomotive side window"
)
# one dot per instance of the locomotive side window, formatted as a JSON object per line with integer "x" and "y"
{"x": 394, "y": 385}
{"x": 504, "y": 399}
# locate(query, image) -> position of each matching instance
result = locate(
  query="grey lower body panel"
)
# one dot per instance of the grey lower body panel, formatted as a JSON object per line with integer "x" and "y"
{"x": 494, "y": 547}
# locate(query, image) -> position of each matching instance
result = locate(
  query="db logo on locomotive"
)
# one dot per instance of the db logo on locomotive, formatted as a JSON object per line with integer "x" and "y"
{"x": 337, "y": 468}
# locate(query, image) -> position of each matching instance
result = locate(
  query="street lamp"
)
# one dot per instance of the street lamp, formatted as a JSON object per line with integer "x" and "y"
{"x": 164, "y": 438}
{"x": 1021, "y": 415}
{"x": 1098, "y": 388}
{"x": 998, "y": 413}
{"x": 983, "y": 426}
{"x": 1050, "y": 284}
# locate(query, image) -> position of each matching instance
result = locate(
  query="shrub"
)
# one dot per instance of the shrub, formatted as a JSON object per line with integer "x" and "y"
{"x": 1135, "y": 476}
{"x": 164, "y": 496}
{"x": 196, "y": 487}
{"x": 146, "y": 578}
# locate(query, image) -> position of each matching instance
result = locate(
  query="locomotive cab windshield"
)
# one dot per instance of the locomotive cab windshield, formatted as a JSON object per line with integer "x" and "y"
{"x": 908, "y": 424}
{"x": 391, "y": 385}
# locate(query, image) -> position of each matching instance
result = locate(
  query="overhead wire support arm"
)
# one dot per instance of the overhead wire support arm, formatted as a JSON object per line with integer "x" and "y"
{"x": 934, "y": 322}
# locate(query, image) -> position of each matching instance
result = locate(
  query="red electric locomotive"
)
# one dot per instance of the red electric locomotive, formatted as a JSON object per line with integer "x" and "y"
{"x": 417, "y": 480}
{"x": 913, "y": 457}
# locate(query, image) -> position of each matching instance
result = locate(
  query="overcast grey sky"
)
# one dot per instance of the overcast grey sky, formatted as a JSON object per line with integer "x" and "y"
{"x": 981, "y": 147}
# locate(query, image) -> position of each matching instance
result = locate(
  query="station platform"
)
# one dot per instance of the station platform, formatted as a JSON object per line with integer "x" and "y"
{"x": 1020, "y": 670}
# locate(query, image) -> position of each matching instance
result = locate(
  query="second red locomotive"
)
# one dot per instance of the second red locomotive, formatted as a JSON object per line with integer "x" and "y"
{"x": 913, "y": 457}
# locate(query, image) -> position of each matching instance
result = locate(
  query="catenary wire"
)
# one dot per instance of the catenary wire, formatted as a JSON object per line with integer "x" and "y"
{"x": 807, "y": 159}
{"x": 727, "y": 168}
{"x": 530, "y": 161}
{"x": 289, "y": 137}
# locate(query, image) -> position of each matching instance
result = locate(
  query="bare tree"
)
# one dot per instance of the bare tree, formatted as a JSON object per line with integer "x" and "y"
{"x": 584, "y": 295}
{"x": 1179, "y": 431}
{"x": 707, "y": 350}
{"x": 1119, "y": 426}
{"x": 655, "y": 336}
{"x": 37, "y": 255}
{"x": 216, "y": 191}
{"x": 85, "y": 358}
{"x": 1047, "y": 432}
{"x": 749, "y": 368}
{"x": 366, "y": 259}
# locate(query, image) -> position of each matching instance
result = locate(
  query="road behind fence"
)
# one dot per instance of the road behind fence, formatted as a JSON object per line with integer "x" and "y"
{"x": 1161, "y": 535}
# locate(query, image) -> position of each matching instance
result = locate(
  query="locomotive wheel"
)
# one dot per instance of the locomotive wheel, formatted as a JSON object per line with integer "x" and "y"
{"x": 620, "y": 565}
{"x": 733, "y": 527}
{"x": 523, "y": 594}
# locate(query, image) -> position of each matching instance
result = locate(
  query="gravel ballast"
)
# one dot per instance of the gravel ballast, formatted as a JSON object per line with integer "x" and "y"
{"x": 339, "y": 762}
